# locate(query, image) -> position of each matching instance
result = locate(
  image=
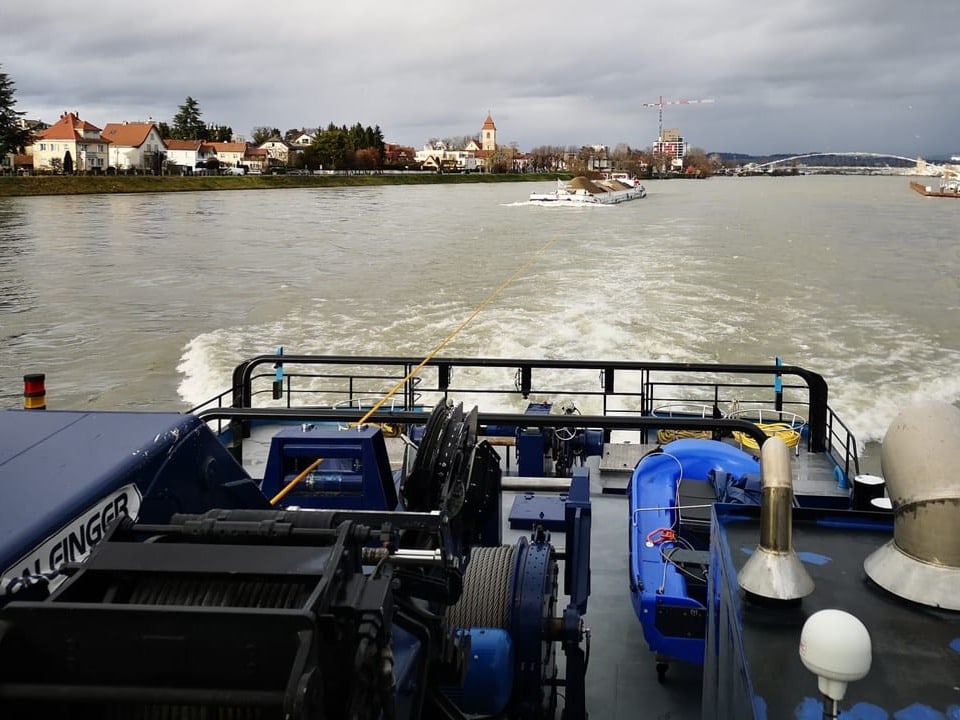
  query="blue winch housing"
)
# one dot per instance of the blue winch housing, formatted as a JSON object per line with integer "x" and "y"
{"x": 545, "y": 450}
{"x": 66, "y": 476}
{"x": 353, "y": 470}
{"x": 357, "y": 572}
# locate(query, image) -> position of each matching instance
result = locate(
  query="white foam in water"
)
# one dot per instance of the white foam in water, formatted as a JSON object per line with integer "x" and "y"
{"x": 202, "y": 373}
{"x": 867, "y": 404}
{"x": 646, "y": 309}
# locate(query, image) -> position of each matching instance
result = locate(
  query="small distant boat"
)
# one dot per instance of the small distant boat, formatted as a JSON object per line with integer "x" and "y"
{"x": 947, "y": 188}
{"x": 616, "y": 188}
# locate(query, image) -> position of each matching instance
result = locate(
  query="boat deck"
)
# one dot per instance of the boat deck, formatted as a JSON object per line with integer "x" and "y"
{"x": 622, "y": 670}
{"x": 915, "y": 658}
{"x": 631, "y": 404}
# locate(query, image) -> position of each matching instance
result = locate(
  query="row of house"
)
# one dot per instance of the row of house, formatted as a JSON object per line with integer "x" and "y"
{"x": 75, "y": 145}
{"x": 137, "y": 146}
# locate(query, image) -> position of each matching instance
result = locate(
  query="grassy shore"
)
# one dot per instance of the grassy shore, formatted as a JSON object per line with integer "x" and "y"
{"x": 99, "y": 184}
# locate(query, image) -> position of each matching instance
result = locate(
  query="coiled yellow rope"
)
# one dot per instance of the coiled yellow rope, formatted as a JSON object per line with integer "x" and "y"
{"x": 786, "y": 432}
{"x": 665, "y": 436}
{"x": 683, "y": 410}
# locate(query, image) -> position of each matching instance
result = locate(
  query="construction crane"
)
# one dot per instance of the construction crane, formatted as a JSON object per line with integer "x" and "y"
{"x": 661, "y": 102}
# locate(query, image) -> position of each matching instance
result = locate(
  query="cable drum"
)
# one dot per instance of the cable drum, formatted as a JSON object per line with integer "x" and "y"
{"x": 485, "y": 601}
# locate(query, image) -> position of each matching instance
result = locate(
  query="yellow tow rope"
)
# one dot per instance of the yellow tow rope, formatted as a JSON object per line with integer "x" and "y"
{"x": 313, "y": 466}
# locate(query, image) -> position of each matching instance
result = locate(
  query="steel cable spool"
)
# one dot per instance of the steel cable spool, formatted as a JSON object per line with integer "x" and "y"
{"x": 514, "y": 587}
{"x": 487, "y": 589}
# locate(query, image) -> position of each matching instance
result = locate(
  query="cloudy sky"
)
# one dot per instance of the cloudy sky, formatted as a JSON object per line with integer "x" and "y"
{"x": 784, "y": 75}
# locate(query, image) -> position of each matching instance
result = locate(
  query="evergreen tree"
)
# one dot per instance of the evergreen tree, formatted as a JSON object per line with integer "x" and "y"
{"x": 218, "y": 133}
{"x": 262, "y": 133}
{"x": 187, "y": 124}
{"x": 12, "y": 137}
{"x": 333, "y": 148}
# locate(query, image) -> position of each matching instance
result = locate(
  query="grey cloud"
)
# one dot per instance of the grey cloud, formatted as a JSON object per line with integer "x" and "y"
{"x": 792, "y": 75}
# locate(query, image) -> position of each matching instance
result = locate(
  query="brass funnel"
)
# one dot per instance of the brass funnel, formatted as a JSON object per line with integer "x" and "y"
{"x": 774, "y": 571}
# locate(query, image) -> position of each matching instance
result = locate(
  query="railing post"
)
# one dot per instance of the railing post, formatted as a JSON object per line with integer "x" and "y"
{"x": 241, "y": 399}
{"x": 778, "y": 388}
{"x": 525, "y": 380}
{"x": 818, "y": 411}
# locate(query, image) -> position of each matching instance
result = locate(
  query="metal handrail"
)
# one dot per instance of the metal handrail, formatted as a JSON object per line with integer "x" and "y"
{"x": 638, "y": 385}
{"x": 603, "y": 422}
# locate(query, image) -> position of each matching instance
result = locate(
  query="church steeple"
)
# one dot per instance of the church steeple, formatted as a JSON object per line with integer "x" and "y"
{"x": 488, "y": 134}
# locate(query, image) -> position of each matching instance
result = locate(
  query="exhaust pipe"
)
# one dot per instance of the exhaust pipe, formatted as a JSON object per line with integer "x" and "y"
{"x": 774, "y": 571}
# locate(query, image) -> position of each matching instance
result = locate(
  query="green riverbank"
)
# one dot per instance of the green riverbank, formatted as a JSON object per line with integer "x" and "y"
{"x": 100, "y": 184}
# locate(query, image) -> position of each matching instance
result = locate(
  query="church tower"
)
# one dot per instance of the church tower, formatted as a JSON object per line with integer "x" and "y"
{"x": 488, "y": 135}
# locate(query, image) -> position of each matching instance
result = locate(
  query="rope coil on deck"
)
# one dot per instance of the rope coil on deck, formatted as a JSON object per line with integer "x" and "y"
{"x": 682, "y": 410}
{"x": 787, "y": 426}
{"x": 786, "y": 432}
{"x": 665, "y": 436}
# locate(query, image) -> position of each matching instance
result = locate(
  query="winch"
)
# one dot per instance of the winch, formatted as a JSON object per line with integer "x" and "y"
{"x": 372, "y": 595}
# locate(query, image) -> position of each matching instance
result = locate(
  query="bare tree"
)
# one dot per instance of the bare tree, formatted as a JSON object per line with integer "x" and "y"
{"x": 459, "y": 143}
{"x": 697, "y": 161}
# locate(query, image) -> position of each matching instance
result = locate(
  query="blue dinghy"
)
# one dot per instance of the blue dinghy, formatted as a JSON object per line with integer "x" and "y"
{"x": 671, "y": 492}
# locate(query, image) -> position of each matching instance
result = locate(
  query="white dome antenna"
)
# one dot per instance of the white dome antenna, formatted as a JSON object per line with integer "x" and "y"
{"x": 835, "y": 646}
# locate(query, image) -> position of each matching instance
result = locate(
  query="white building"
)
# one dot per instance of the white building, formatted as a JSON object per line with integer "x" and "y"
{"x": 135, "y": 146}
{"x": 185, "y": 153}
{"x": 86, "y": 147}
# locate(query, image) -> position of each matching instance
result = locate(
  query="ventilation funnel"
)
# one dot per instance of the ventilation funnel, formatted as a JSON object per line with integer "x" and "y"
{"x": 774, "y": 571}
{"x": 921, "y": 462}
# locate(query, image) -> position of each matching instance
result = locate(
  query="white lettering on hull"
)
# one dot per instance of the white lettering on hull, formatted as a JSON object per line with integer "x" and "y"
{"x": 71, "y": 543}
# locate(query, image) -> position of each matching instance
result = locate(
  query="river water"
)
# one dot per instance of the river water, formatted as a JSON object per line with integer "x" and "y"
{"x": 148, "y": 301}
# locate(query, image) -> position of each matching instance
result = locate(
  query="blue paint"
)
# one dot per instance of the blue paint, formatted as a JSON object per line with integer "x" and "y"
{"x": 841, "y": 476}
{"x": 809, "y": 709}
{"x": 953, "y": 712}
{"x": 808, "y": 557}
{"x": 918, "y": 712}
{"x": 864, "y": 711}
{"x": 812, "y": 709}
{"x": 759, "y": 708}
{"x": 955, "y": 645}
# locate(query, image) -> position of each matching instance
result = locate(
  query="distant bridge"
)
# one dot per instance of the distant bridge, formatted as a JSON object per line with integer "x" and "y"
{"x": 837, "y": 154}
